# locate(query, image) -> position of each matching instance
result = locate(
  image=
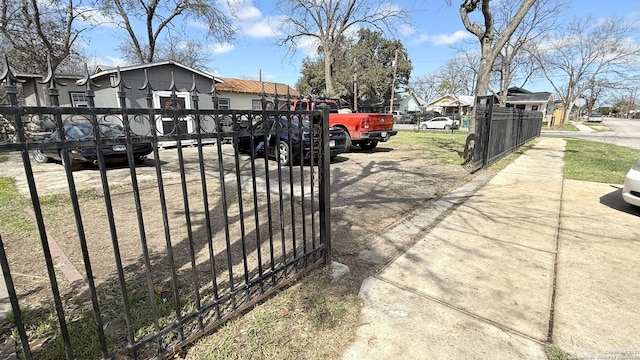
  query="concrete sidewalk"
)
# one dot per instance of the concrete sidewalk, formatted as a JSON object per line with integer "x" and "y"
{"x": 520, "y": 264}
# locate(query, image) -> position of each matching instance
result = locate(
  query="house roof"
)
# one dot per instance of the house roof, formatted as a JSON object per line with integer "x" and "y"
{"x": 410, "y": 93}
{"x": 532, "y": 97}
{"x": 102, "y": 72}
{"x": 58, "y": 76}
{"x": 451, "y": 100}
{"x": 255, "y": 87}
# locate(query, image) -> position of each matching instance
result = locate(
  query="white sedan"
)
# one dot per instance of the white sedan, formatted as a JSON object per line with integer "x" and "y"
{"x": 631, "y": 190}
{"x": 441, "y": 122}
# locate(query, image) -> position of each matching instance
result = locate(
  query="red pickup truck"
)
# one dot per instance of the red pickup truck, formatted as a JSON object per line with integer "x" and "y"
{"x": 363, "y": 129}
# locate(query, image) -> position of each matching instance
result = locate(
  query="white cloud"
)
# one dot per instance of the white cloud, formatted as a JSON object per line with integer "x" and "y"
{"x": 407, "y": 30}
{"x": 259, "y": 29}
{"x": 249, "y": 13}
{"x": 221, "y": 48}
{"x": 444, "y": 39}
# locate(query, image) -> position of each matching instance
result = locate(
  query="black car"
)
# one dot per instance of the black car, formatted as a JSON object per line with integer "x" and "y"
{"x": 88, "y": 154}
{"x": 278, "y": 140}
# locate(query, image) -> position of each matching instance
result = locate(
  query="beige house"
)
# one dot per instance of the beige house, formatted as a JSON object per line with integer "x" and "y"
{"x": 453, "y": 106}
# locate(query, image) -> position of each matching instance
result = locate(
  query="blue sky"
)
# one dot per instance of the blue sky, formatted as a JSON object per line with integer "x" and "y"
{"x": 435, "y": 30}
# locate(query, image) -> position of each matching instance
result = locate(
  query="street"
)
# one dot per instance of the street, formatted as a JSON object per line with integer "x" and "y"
{"x": 623, "y": 132}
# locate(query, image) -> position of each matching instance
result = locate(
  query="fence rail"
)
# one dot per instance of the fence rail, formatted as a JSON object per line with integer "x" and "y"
{"x": 196, "y": 235}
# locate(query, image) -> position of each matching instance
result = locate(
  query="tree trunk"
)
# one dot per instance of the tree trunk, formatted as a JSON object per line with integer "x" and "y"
{"x": 482, "y": 82}
{"x": 328, "y": 73}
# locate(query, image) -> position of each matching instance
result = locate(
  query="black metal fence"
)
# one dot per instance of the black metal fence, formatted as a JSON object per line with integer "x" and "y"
{"x": 500, "y": 131}
{"x": 196, "y": 235}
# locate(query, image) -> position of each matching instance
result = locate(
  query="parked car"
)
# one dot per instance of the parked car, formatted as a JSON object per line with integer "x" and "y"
{"x": 595, "y": 117}
{"x": 397, "y": 115}
{"x": 441, "y": 122}
{"x": 279, "y": 141}
{"x": 631, "y": 189}
{"x": 88, "y": 154}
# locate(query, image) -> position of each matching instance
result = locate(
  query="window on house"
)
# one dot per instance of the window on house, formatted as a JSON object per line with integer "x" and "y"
{"x": 78, "y": 99}
{"x": 256, "y": 104}
{"x": 520, "y": 106}
{"x": 534, "y": 107}
{"x": 224, "y": 104}
{"x": 166, "y": 102}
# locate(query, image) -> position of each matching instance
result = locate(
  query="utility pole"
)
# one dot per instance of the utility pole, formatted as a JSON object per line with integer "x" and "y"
{"x": 355, "y": 86}
{"x": 393, "y": 81}
{"x": 632, "y": 103}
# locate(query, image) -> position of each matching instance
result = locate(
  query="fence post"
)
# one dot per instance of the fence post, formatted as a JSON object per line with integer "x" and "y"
{"x": 324, "y": 182}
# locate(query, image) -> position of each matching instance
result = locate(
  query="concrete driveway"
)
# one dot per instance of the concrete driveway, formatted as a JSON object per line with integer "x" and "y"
{"x": 527, "y": 261}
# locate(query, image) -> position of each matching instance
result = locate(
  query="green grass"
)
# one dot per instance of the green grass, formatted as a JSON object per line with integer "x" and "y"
{"x": 3, "y": 158}
{"x": 444, "y": 146}
{"x": 598, "y": 162}
{"x": 563, "y": 127}
{"x": 555, "y": 353}
{"x": 310, "y": 320}
{"x": 13, "y": 219}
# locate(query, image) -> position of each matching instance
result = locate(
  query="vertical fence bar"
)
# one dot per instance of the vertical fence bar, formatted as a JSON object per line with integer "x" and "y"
{"x": 122, "y": 96}
{"x": 256, "y": 210}
{"x": 203, "y": 177}
{"x": 243, "y": 237}
{"x": 325, "y": 185}
{"x": 185, "y": 200}
{"x": 165, "y": 214}
{"x": 13, "y": 298}
{"x": 212, "y": 258}
{"x": 80, "y": 226}
{"x": 12, "y": 91}
{"x": 148, "y": 91}
{"x": 225, "y": 211}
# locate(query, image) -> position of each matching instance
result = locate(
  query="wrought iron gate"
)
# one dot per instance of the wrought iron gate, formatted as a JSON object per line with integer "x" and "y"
{"x": 196, "y": 235}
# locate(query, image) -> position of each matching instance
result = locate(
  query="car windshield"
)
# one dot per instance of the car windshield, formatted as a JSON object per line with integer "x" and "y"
{"x": 85, "y": 130}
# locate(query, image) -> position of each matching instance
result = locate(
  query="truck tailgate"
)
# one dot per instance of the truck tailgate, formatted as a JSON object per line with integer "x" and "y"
{"x": 378, "y": 122}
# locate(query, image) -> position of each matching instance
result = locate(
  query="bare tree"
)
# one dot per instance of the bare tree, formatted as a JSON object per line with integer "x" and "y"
{"x": 490, "y": 45}
{"x": 34, "y": 30}
{"x": 165, "y": 18}
{"x": 329, "y": 22}
{"x": 459, "y": 74}
{"x": 514, "y": 60}
{"x": 426, "y": 86}
{"x": 187, "y": 52}
{"x": 587, "y": 54}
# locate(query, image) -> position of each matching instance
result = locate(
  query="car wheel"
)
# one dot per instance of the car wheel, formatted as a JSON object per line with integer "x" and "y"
{"x": 39, "y": 157}
{"x": 423, "y": 127}
{"x": 347, "y": 140}
{"x": 139, "y": 160}
{"x": 447, "y": 127}
{"x": 369, "y": 145}
{"x": 74, "y": 164}
{"x": 285, "y": 155}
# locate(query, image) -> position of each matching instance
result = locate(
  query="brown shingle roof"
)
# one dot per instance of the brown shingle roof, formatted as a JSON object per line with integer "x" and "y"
{"x": 255, "y": 87}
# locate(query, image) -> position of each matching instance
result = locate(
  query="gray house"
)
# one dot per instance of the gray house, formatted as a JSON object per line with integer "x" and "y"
{"x": 159, "y": 75}
{"x": 231, "y": 93}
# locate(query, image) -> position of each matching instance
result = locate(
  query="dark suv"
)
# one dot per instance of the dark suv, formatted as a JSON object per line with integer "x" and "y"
{"x": 277, "y": 139}
{"x": 89, "y": 154}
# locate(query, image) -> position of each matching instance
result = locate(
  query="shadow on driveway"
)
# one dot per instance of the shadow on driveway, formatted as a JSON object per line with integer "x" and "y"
{"x": 614, "y": 201}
